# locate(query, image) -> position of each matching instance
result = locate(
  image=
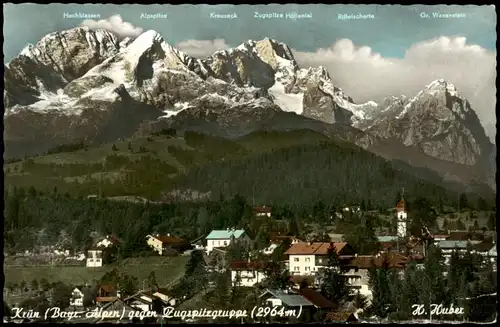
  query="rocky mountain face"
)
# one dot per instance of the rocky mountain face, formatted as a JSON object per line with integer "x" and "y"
{"x": 82, "y": 84}
{"x": 438, "y": 121}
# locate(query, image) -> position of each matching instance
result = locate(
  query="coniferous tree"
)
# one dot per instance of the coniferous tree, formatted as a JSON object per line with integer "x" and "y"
{"x": 333, "y": 283}
{"x": 22, "y": 286}
{"x": 379, "y": 283}
{"x": 152, "y": 283}
{"x": 362, "y": 237}
{"x": 293, "y": 228}
{"x": 433, "y": 273}
{"x": 481, "y": 204}
{"x": 195, "y": 263}
{"x": 460, "y": 225}
{"x": 463, "y": 201}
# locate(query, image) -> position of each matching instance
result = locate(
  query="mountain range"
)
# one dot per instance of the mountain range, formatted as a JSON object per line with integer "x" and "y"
{"x": 85, "y": 85}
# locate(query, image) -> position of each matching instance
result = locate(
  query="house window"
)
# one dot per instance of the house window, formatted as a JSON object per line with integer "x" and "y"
{"x": 296, "y": 259}
{"x": 308, "y": 268}
{"x": 297, "y": 268}
{"x": 308, "y": 259}
{"x": 225, "y": 242}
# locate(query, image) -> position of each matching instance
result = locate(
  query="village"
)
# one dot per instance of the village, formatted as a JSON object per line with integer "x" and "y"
{"x": 302, "y": 261}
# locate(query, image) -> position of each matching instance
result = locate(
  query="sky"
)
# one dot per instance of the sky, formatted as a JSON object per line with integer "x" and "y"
{"x": 394, "y": 50}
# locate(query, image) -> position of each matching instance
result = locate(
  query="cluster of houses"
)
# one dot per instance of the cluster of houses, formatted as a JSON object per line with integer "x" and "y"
{"x": 304, "y": 261}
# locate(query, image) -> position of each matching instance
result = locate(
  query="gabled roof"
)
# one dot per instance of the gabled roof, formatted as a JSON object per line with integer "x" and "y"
{"x": 78, "y": 288}
{"x": 316, "y": 298}
{"x": 289, "y": 299}
{"x": 314, "y": 248}
{"x": 225, "y": 234}
{"x": 168, "y": 239}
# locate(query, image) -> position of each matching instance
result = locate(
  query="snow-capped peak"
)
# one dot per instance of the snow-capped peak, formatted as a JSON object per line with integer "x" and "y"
{"x": 26, "y": 51}
{"x": 144, "y": 41}
{"x": 440, "y": 85}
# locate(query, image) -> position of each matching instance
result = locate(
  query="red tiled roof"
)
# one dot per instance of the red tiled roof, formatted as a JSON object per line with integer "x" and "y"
{"x": 401, "y": 205}
{"x": 316, "y": 298}
{"x": 316, "y": 248}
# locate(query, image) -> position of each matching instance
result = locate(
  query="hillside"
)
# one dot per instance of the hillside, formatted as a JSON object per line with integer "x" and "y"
{"x": 300, "y": 165}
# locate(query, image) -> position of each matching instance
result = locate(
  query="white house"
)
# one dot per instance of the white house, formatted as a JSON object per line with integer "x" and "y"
{"x": 357, "y": 275}
{"x": 76, "y": 298}
{"x": 246, "y": 273}
{"x": 94, "y": 258}
{"x": 159, "y": 243}
{"x": 306, "y": 258}
{"x": 108, "y": 241}
{"x": 222, "y": 238}
{"x": 285, "y": 298}
{"x": 101, "y": 249}
{"x": 144, "y": 299}
{"x": 262, "y": 211}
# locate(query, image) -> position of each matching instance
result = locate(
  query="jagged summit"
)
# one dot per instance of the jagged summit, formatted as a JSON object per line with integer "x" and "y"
{"x": 77, "y": 72}
{"x": 441, "y": 85}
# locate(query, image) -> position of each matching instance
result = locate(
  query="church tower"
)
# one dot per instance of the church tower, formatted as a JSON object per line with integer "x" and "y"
{"x": 402, "y": 216}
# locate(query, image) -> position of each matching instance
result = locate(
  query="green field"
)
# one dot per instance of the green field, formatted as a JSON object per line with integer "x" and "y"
{"x": 167, "y": 270}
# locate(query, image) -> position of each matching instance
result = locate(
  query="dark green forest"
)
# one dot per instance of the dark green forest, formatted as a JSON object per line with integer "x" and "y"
{"x": 303, "y": 174}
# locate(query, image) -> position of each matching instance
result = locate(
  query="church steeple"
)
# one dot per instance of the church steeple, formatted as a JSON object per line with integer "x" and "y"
{"x": 401, "y": 215}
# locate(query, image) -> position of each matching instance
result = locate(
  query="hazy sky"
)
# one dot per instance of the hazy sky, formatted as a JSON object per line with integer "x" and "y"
{"x": 399, "y": 51}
